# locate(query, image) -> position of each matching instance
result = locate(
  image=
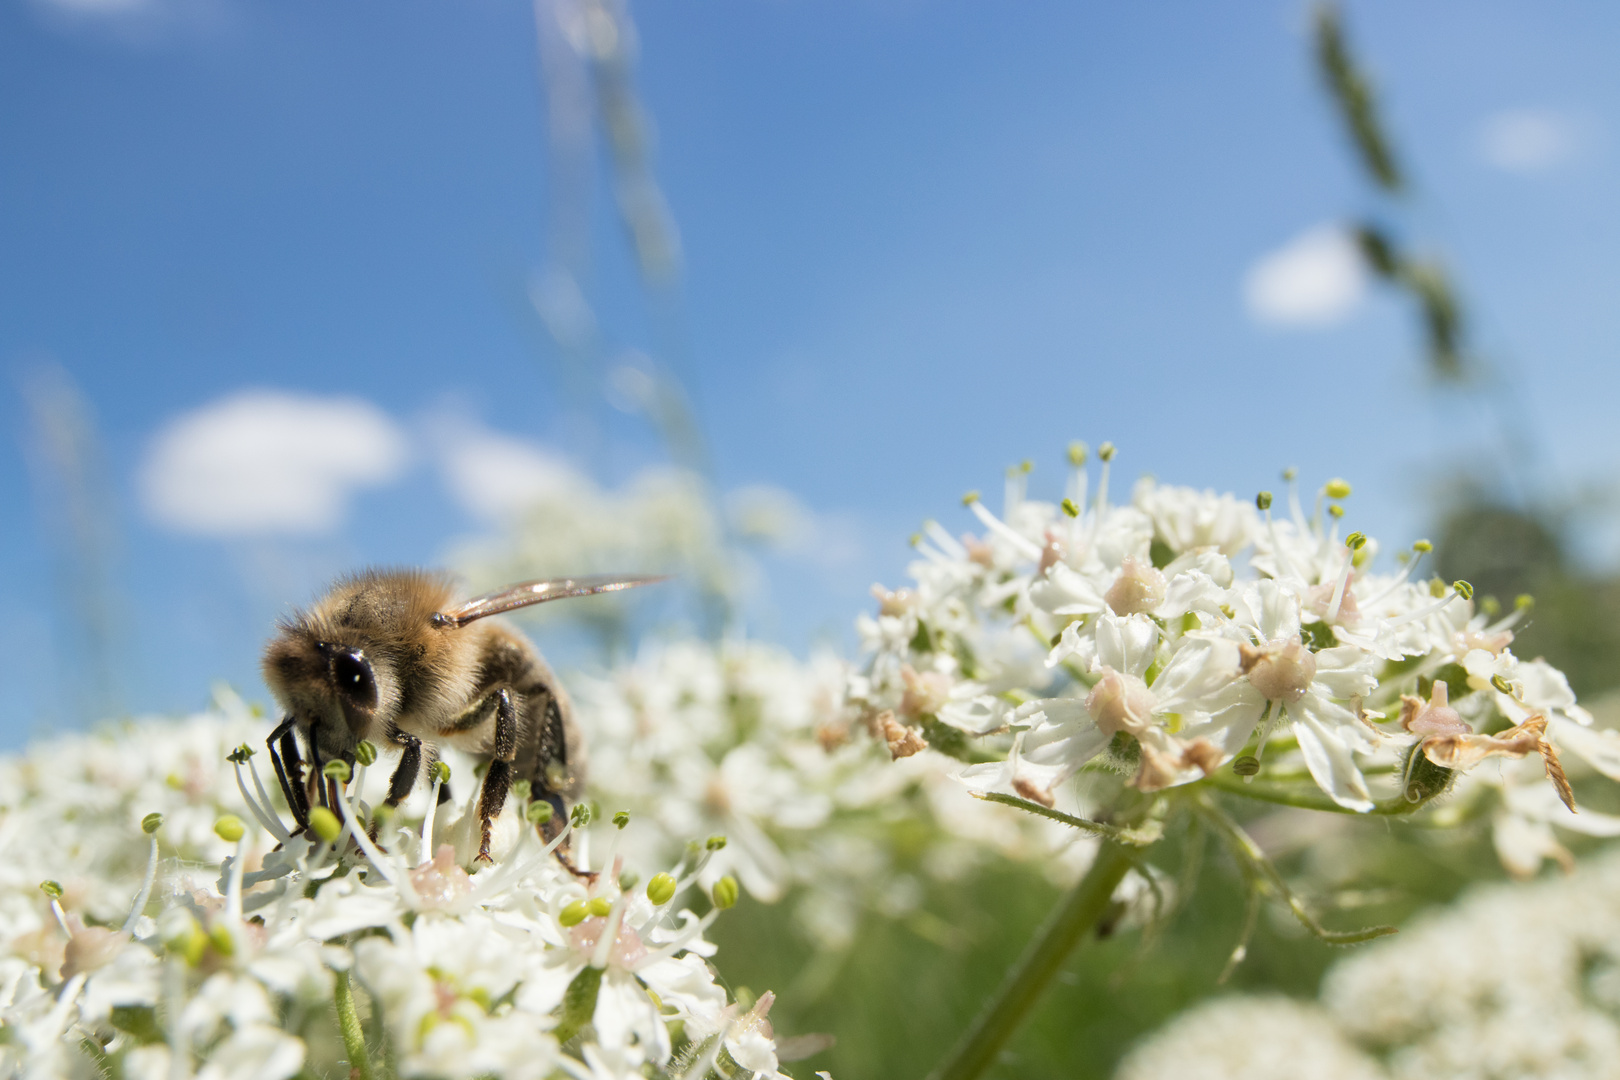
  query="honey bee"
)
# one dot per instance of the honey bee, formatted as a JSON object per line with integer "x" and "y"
{"x": 387, "y": 655}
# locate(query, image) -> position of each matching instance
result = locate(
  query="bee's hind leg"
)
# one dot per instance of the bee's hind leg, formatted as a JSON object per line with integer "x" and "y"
{"x": 498, "y": 779}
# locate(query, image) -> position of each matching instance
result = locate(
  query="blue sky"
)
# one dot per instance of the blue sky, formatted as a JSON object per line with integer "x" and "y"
{"x": 921, "y": 241}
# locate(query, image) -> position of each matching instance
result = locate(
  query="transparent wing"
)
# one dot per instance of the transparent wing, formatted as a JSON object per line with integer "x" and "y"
{"x": 525, "y": 593}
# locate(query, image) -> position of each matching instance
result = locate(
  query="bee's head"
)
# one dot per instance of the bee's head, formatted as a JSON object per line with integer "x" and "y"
{"x": 335, "y": 690}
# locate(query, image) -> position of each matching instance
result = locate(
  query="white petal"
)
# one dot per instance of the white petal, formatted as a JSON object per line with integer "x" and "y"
{"x": 1330, "y": 762}
{"x": 1345, "y": 672}
{"x": 1127, "y": 644}
{"x": 1065, "y": 592}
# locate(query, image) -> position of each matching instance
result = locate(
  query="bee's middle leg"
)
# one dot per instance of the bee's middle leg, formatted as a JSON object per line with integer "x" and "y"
{"x": 498, "y": 779}
{"x": 405, "y": 774}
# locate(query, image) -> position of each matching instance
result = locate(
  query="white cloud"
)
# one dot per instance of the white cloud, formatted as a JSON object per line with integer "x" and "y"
{"x": 496, "y": 476}
{"x": 1316, "y": 279}
{"x": 1527, "y": 140}
{"x": 263, "y": 461}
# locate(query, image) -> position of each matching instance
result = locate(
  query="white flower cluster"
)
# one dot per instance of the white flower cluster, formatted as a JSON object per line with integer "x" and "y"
{"x": 1250, "y": 1038}
{"x": 1187, "y": 636}
{"x": 1515, "y": 980}
{"x": 663, "y": 520}
{"x": 247, "y": 953}
{"x": 744, "y": 740}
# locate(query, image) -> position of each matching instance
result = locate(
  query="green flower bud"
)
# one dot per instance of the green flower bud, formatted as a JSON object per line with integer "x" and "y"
{"x": 715, "y": 842}
{"x": 325, "y": 823}
{"x": 573, "y": 914}
{"x": 661, "y": 889}
{"x": 1077, "y": 453}
{"x": 725, "y": 890}
{"x": 194, "y": 945}
{"x": 1070, "y": 509}
{"x": 1106, "y": 451}
{"x": 1336, "y": 489}
{"x": 229, "y": 828}
{"x": 366, "y": 752}
{"x": 151, "y": 823}
{"x": 1262, "y": 501}
{"x": 539, "y": 812}
{"x": 621, "y": 818}
{"x": 52, "y": 889}
{"x": 599, "y": 906}
{"x": 337, "y": 770}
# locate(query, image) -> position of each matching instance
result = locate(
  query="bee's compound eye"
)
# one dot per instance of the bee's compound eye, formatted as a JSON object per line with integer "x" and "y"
{"x": 352, "y": 676}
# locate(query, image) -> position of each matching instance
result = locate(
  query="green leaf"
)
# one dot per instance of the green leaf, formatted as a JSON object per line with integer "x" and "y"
{"x": 139, "y": 1021}
{"x": 578, "y": 1003}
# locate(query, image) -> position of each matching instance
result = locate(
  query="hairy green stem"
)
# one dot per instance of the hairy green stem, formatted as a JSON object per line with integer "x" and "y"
{"x": 1311, "y": 798}
{"x": 1138, "y": 836}
{"x": 354, "y": 1038}
{"x": 1074, "y": 916}
{"x": 1260, "y": 869}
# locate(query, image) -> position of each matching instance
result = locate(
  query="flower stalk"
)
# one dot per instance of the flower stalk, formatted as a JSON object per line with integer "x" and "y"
{"x": 1073, "y": 918}
{"x": 354, "y": 1038}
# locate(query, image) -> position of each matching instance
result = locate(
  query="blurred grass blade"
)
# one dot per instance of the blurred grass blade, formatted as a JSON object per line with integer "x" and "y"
{"x": 1353, "y": 95}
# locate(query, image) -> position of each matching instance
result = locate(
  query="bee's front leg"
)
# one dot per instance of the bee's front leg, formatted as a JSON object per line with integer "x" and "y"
{"x": 498, "y": 779}
{"x": 289, "y": 767}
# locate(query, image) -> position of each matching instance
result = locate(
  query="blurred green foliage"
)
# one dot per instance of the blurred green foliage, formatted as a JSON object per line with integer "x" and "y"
{"x": 907, "y": 987}
{"x": 1506, "y": 552}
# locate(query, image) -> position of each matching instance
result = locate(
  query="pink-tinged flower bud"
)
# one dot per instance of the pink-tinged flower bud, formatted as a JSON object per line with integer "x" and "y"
{"x": 441, "y": 885}
{"x": 925, "y": 693}
{"x": 897, "y": 602}
{"x": 1138, "y": 589}
{"x": 1280, "y": 670}
{"x": 90, "y": 948}
{"x": 1319, "y": 601}
{"x": 1432, "y": 717}
{"x": 1051, "y": 552}
{"x": 979, "y": 551}
{"x": 1121, "y": 702}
